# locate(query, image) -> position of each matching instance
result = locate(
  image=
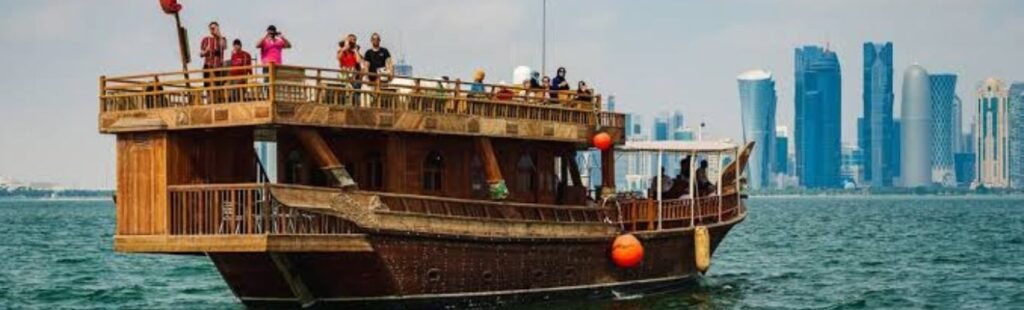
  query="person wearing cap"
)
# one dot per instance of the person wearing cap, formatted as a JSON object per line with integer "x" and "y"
{"x": 240, "y": 59}
{"x": 272, "y": 45}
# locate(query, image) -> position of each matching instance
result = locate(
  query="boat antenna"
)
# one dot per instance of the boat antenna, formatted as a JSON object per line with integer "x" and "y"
{"x": 544, "y": 37}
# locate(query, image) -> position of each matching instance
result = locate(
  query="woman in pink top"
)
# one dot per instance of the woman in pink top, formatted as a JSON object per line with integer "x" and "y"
{"x": 271, "y": 46}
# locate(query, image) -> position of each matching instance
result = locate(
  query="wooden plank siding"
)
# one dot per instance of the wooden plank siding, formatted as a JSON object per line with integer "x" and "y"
{"x": 149, "y": 162}
{"x": 403, "y": 157}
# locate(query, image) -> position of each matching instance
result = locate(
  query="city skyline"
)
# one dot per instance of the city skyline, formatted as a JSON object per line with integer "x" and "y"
{"x": 686, "y": 53}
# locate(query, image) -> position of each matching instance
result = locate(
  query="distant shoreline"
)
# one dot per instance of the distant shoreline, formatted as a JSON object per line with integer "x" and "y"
{"x": 70, "y": 198}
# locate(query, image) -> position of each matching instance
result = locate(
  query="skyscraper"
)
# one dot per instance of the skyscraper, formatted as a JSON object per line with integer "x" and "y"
{"x": 676, "y": 122}
{"x": 661, "y": 129}
{"x": 875, "y": 130}
{"x": 992, "y": 134}
{"x": 943, "y": 105}
{"x": 781, "y": 150}
{"x": 1016, "y": 118}
{"x": 917, "y": 126}
{"x": 818, "y": 99}
{"x": 402, "y": 68}
{"x": 757, "y": 105}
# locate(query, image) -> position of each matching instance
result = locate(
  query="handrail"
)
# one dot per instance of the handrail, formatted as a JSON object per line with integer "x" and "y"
{"x": 242, "y": 209}
{"x": 296, "y": 84}
{"x": 641, "y": 214}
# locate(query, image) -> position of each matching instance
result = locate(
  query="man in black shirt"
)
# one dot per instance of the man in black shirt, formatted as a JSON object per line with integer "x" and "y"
{"x": 378, "y": 59}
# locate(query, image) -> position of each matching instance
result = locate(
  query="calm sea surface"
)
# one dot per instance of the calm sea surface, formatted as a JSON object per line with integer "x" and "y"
{"x": 791, "y": 253}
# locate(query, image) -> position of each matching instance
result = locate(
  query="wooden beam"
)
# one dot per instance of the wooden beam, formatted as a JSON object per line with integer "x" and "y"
{"x": 492, "y": 170}
{"x": 321, "y": 152}
{"x": 608, "y": 172}
{"x": 574, "y": 168}
{"x": 291, "y": 276}
{"x": 184, "y": 244}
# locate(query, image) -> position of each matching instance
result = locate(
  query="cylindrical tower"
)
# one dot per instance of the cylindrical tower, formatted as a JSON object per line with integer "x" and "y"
{"x": 757, "y": 103}
{"x": 915, "y": 158}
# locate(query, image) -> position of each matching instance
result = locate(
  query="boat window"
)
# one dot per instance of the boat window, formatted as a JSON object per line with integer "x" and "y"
{"x": 293, "y": 168}
{"x": 526, "y": 174}
{"x": 374, "y": 171}
{"x": 433, "y": 168}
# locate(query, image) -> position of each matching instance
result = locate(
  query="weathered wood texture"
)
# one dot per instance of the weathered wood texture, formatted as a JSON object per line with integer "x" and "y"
{"x": 242, "y": 243}
{"x": 147, "y": 163}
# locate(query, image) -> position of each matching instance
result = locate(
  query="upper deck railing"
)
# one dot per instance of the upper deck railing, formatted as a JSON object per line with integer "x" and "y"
{"x": 294, "y": 84}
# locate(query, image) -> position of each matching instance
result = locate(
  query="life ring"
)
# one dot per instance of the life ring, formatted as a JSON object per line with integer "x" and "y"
{"x": 702, "y": 248}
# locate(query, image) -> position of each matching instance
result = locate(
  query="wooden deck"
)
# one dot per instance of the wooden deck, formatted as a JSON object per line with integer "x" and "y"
{"x": 303, "y": 96}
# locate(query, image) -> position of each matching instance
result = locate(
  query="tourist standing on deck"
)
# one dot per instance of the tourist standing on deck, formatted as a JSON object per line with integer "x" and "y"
{"x": 239, "y": 59}
{"x": 378, "y": 59}
{"x": 348, "y": 55}
{"x": 477, "y": 87}
{"x": 559, "y": 84}
{"x": 545, "y": 83}
{"x": 212, "y": 50}
{"x": 271, "y": 46}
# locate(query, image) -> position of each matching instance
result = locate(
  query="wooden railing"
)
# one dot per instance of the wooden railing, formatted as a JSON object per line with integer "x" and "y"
{"x": 294, "y": 84}
{"x": 451, "y": 207}
{"x": 642, "y": 214}
{"x": 242, "y": 209}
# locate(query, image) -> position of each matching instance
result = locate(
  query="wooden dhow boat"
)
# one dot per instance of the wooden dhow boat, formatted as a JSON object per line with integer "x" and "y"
{"x": 411, "y": 193}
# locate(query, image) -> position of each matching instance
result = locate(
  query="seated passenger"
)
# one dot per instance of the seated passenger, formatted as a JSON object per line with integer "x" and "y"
{"x": 704, "y": 186}
{"x": 584, "y": 93}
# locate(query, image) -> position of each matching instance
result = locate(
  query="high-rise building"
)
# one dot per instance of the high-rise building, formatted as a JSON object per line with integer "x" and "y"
{"x": 963, "y": 163}
{"x": 1016, "y": 118}
{"x": 958, "y": 124}
{"x": 818, "y": 101}
{"x": 676, "y": 122}
{"x": 661, "y": 129}
{"x": 897, "y": 148}
{"x": 852, "y": 166}
{"x": 757, "y": 105}
{"x": 943, "y": 105}
{"x": 781, "y": 150}
{"x": 917, "y": 126}
{"x": 993, "y": 133}
{"x": 684, "y": 134}
{"x": 610, "y": 103}
{"x": 875, "y": 128}
{"x": 402, "y": 68}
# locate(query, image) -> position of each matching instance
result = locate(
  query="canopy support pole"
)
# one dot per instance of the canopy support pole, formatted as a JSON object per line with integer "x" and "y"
{"x": 660, "y": 181}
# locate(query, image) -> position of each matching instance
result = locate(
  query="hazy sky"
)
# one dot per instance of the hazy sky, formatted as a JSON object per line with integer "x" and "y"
{"x": 654, "y": 55}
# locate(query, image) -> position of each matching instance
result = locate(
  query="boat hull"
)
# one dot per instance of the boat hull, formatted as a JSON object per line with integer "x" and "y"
{"x": 427, "y": 271}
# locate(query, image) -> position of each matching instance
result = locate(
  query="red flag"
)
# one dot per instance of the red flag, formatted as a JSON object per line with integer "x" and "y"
{"x": 170, "y": 6}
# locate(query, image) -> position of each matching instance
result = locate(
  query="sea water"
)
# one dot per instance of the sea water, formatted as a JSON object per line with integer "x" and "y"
{"x": 790, "y": 253}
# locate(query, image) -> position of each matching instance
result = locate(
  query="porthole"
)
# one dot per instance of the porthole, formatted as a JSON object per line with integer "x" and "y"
{"x": 488, "y": 276}
{"x": 434, "y": 275}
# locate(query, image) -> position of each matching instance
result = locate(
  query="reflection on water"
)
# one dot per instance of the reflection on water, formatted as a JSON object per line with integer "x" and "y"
{"x": 790, "y": 253}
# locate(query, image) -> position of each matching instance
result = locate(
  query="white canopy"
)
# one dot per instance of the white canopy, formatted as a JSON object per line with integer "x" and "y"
{"x": 677, "y": 146}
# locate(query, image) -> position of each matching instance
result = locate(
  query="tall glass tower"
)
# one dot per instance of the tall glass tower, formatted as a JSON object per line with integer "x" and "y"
{"x": 757, "y": 103}
{"x": 1016, "y": 115}
{"x": 943, "y": 95}
{"x": 818, "y": 100}
{"x": 875, "y": 130}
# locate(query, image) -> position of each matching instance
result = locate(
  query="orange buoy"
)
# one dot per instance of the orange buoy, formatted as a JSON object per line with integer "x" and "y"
{"x": 602, "y": 141}
{"x": 627, "y": 252}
